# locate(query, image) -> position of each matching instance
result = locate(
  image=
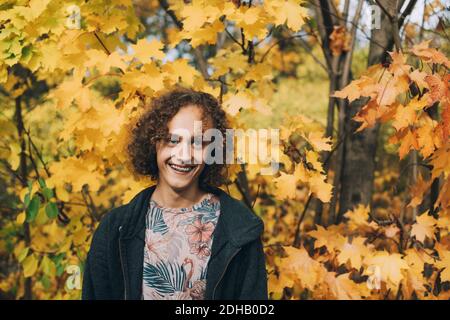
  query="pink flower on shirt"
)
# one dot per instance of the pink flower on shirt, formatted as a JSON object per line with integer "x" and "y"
{"x": 201, "y": 250}
{"x": 199, "y": 232}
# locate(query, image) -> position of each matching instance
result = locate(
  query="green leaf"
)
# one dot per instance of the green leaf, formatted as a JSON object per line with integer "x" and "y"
{"x": 42, "y": 183}
{"x": 48, "y": 193}
{"x": 48, "y": 266}
{"x": 33, "y": 208}
{"x": 27, "y": 199}
{"x": 26, "y": 53}
{"x": 58, "y": 263}
{"x": 165, "y": 277}
{"x": 52, "y": 210}
{"x": 59, "y": 270}
{"x": 45, "y": 281}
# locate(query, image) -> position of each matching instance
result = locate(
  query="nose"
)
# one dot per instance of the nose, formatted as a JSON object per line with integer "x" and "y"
{"x": 183, "y": 153}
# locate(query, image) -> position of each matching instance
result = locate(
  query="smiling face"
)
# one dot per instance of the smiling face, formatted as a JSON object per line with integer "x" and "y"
{"x": 180, "y": 158}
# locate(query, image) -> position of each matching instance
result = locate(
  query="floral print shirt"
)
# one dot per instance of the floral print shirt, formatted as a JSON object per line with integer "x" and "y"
{"x": 177, "y": 249}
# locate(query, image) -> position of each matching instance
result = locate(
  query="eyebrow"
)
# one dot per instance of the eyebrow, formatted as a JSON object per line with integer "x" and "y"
{"x": 177, "y": 136}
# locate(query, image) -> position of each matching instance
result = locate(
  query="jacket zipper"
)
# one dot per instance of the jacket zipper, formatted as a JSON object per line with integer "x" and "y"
{"x": 223, "y": 273}
{"x": 121, "y": 264}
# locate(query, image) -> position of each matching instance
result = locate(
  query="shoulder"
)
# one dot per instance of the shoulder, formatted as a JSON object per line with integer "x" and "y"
{"x": 240, "y": 222}
{"x": 110, "y": 222}
{"x": 239, "y": 207}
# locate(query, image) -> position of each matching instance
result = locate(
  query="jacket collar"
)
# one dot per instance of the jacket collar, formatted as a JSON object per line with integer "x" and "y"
{"x": 237, "y": 223}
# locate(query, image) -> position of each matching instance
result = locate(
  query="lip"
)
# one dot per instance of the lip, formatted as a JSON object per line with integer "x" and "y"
{"x": 173, "y": 167}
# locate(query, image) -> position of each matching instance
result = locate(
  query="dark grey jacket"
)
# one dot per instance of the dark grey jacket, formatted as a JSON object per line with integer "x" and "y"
{"x": 236, "y": 268}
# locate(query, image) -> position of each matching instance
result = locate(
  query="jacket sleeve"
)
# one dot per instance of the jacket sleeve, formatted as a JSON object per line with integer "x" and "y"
{"x": 253, "y": 275}
{"x": 87, "y": 292}
{"x": 95, "y": 277}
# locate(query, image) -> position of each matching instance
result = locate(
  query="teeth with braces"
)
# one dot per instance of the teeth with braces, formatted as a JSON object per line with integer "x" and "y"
{"x": 182, "y": 169}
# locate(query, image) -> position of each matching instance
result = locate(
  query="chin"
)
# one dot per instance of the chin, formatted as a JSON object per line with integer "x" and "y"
{"x": 179, "y": 186}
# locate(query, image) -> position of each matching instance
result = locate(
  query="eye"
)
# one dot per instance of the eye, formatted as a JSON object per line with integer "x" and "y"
{"x": 197, "y": 142}
{"x": 173, "y": 139}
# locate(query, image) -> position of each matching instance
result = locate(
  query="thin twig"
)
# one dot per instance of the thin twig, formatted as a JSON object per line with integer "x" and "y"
{"x": 387, "y": 13}
{"x": 256, "y": 197}
{"x": 234, "y": 39}
{"x": 101, "y": 43}
{"x": 47, "y": 171}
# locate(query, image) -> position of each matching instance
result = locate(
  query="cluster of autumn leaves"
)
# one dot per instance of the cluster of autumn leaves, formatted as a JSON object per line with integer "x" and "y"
{"x": 401, "y": 96}
{"x": 363, "y": 258}
{"x": 368, "y": 257}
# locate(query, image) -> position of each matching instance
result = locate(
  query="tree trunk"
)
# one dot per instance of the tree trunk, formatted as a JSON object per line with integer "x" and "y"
{"x": 360, "y": 148}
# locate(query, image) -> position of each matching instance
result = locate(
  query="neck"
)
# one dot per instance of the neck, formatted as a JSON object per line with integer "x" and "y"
{"x": 171, "y": 198}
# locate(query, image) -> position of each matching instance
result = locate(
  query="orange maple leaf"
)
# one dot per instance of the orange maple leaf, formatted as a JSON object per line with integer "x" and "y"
{"x": 422, "y": 50}
{"x": 418, "y": 190}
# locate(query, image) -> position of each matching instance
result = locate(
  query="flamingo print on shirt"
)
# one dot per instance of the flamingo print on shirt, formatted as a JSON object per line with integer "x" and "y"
{"x": 177, "y": 249}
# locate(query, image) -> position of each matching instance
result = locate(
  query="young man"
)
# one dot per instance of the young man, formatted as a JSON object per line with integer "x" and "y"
{"x": 183, "y": 238}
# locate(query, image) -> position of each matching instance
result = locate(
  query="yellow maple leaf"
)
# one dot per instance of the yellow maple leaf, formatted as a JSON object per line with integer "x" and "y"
{"x": 362, "y": 87}
{"x": 319, "y": 187}
{"x": 299, "y": 265}
{"x": 358, "y": 218}
{"x": 444, "y": 262}
{"x": 230, "y": 60}
{"x": 415, "y": 281}
{"x": 318, "y": 141}
{"x": 67, "y": 91}
{"x": 195, "y": 17}
{"x": 390, "y": 266}
{"x": 145, "y": 49}
{"x": 330, "y": 238}
{"x": 343, "y": 288}
{"x": 276, "y": 284}
{"x": 354, "y": 252}
{"x": 405, "y": 116}
{"x": 424, "y": 227}
{"x": 253, "y": 21}
{"x": 207, "y": 34}
{"x": 233, "y": 103}
{"x": 313, "y": 158}
{"x": 286, "y": 185}
{"x": 180, "y": 68}
{"x": 287, "y": 11}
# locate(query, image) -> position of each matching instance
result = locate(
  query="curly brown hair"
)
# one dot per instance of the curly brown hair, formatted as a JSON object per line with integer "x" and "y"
{"x": 152, "y": 127}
